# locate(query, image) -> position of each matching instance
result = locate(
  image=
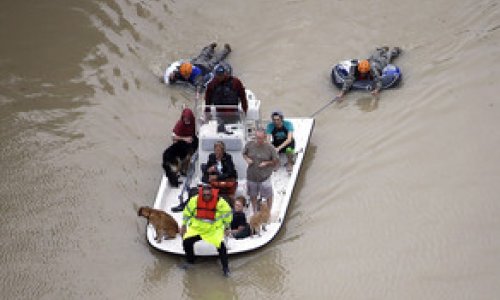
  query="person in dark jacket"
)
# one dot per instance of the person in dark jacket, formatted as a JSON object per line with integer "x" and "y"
{"x": 220, "y": 166}
{"x": 220, "y": 172}
{"x": 225, "y": 89}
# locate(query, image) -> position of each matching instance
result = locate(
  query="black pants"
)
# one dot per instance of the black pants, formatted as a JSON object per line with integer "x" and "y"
{"x": 208, "y": 58}
{"x": 188, "y": 245}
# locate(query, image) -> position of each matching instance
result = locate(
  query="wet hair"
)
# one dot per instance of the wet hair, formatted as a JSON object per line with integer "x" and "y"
{"x": 220, "y": 144}
{"x": 277, "y": 113}
{"x": 242, "y": 199}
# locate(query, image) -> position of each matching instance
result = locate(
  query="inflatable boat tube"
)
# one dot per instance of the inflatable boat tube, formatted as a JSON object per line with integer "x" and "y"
{"x": 208, "y": 77}
{"x": 391, "y": 76}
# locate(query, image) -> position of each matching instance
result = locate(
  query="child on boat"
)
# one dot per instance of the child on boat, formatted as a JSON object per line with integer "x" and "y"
{"x": 240, "y": 228}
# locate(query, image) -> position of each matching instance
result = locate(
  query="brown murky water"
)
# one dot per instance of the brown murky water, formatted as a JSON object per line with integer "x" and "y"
{"x": 398, "y": 198}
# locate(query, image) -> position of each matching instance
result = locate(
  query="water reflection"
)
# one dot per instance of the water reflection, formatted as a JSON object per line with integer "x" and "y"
{"x": 368, "y": 103}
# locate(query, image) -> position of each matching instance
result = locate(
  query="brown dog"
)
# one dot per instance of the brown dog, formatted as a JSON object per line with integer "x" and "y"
{"x": 164, "y": 224}
{"x": 260, "y": 219}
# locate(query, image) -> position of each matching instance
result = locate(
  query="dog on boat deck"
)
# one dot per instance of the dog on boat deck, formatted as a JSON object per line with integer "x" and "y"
{"x": 260, "y": 219}
{"x": 164, "y": 224}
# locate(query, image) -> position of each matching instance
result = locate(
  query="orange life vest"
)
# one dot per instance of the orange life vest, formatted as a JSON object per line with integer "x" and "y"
{"x": 206, "y": 209}
{"x": 365, "y": 76}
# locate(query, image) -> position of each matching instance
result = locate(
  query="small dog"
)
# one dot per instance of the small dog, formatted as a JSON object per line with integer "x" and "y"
{"x": 164, "y": 224}
{"x": 260, "y": 219}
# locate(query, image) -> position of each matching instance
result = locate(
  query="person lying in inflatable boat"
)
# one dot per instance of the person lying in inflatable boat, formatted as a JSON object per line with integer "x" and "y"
{"x": 199, "y": 70}
{"x": 370, "y": 69}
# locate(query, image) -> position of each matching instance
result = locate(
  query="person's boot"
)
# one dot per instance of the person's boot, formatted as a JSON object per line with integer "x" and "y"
{"x": 179, "y": 207}
{"x": 185, "y": 265}
{"x": 226, "y": 271}
{"x": 213, "y": 45}
{"x": 228, "y": 48}
{"x": 397, "y": 51}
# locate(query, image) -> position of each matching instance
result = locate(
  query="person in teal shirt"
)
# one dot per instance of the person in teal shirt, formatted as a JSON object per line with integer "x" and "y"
{"x": 280, "y": 132}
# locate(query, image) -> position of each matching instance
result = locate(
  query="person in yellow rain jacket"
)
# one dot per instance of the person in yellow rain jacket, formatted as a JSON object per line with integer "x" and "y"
{"x": 205, "y": 217}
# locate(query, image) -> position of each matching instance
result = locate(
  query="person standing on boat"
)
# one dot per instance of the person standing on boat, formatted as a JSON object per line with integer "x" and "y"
{"x": 280, "y": 132}
{"x": 185, "y": 143}
{"x": 370, "y": 69}
{"x": 261, "y": 158}
{"x": 206, "y": 217}
{"x": 225, "y": 89}
{"x": 197, "y": 71}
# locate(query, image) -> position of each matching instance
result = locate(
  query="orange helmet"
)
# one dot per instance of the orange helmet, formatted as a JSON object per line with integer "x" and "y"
{"x": 364, "y": 66}
{"x": 185, "y": 69}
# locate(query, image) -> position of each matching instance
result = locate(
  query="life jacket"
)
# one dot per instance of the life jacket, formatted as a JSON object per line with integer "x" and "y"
{"x": 224, "y": 93}
{"x": 359, "y": 76}
{"x": 206, "y": 209}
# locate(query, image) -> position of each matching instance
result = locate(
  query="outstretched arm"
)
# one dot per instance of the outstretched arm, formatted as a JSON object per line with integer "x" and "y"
{"x": 378, "y": 82}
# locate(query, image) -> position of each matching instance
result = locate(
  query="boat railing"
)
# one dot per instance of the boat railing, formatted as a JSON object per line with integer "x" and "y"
{"x": 189, "y": 176}
{"x": 227, "y": 114}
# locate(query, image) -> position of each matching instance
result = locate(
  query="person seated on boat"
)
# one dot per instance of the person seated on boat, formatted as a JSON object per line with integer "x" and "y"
{"x": 205, "y": 217}
{"x": 197, "y": 70}
{"x": 370, "y": 69}
{"x": 280, "y": 132}
{"x": 219, "y": 171}
{"x": 261, "y": 158}
{"x": 240, "y": 228}
{"x": 185, "y": 143}
{"x": 226, "y": 89}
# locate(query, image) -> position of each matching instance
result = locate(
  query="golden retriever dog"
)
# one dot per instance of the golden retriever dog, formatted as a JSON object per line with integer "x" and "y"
{"x": 260, "y": 219}
{"x": 164, "y": 224}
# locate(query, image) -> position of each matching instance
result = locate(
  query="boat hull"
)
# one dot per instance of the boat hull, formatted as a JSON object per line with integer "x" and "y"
{"x": 283, "y": 186}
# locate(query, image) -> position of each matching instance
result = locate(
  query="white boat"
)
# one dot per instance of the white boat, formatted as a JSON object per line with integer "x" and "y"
{"x": 235, "y": 134}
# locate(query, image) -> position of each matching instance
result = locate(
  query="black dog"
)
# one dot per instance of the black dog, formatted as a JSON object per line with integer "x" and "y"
{"x": 178, "y": 155}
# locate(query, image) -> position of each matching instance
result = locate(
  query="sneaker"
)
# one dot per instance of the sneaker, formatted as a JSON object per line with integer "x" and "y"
{"x": 213, "y": 45}
{"x": 185, "y": 265}
{"x": 227, "y": 47}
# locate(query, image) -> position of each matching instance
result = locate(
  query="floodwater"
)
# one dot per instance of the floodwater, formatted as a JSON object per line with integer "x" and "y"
{"x": 398, "y": 198}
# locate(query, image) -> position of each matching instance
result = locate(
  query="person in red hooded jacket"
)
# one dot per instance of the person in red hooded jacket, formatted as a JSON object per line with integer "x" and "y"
{"x": 185, "y": 143}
